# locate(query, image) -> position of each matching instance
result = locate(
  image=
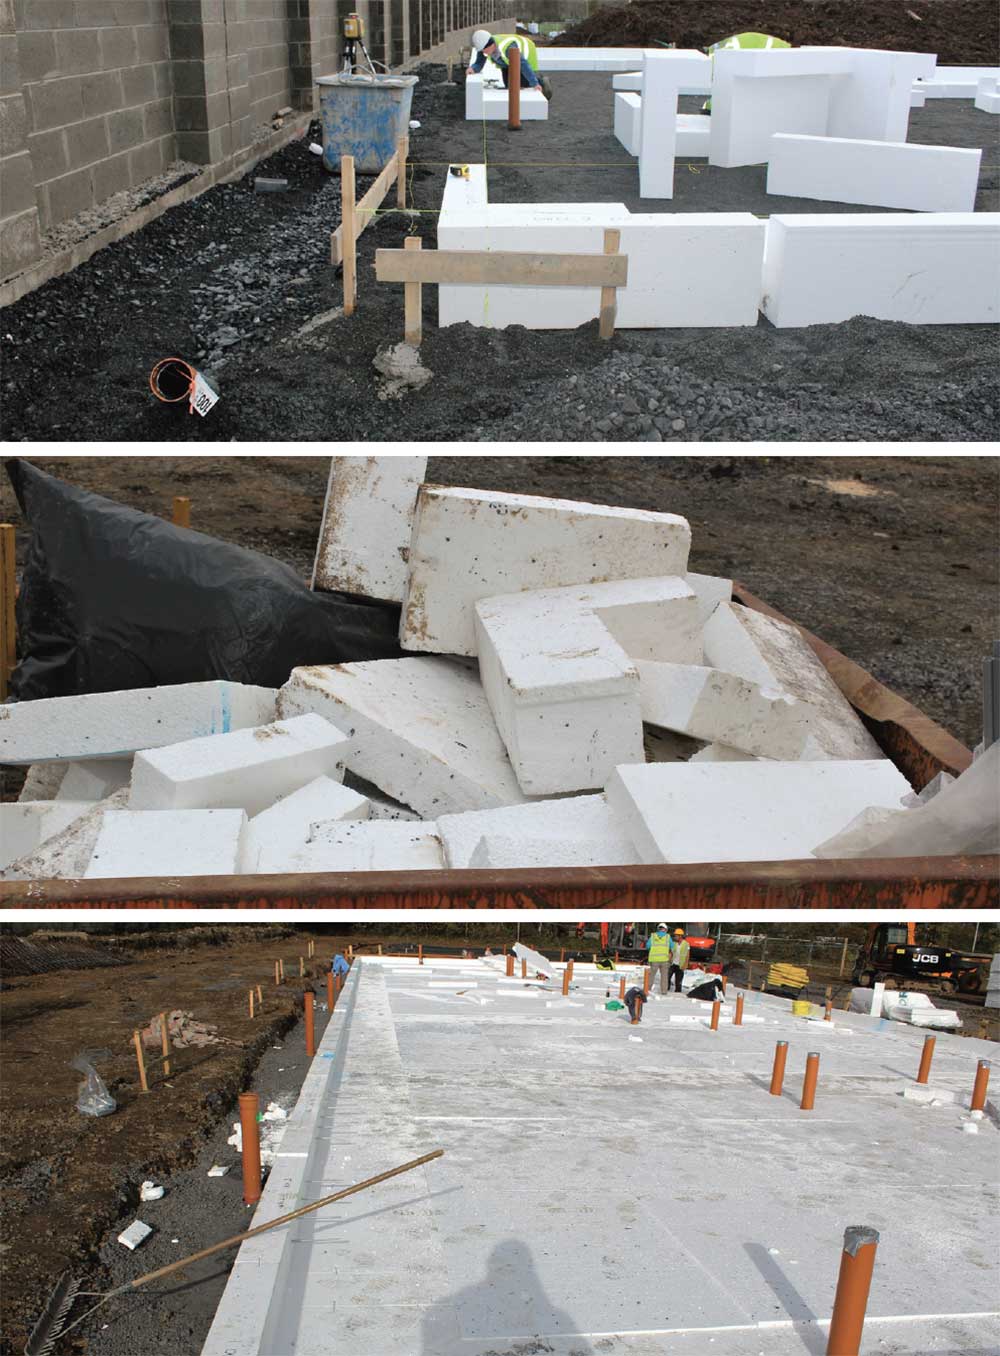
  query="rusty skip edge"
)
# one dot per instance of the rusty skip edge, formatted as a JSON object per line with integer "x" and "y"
{"x": 919, "y": 747}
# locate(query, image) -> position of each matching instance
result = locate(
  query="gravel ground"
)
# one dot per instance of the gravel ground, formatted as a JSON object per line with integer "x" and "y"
{"x": 241, "y": 284}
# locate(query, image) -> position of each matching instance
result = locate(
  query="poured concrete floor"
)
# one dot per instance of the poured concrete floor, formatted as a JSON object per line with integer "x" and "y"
{"x": 601, "y": 1194}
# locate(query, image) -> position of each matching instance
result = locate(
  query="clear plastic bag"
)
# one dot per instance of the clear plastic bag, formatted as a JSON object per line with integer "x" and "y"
{"x": 92, "y": 1098}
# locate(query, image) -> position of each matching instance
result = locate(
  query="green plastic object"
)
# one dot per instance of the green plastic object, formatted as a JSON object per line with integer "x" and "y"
{"x": 613, "y": 1005}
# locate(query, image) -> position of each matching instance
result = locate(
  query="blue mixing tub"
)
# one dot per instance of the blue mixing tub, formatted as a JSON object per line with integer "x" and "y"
{"x": 364, "y": 116}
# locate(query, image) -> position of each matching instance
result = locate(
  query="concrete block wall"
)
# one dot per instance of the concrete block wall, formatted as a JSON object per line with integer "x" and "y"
{"x": 20, "y": 238}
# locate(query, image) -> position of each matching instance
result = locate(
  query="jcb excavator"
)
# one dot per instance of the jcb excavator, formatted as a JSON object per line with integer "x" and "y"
{"x": 891, "y": 951}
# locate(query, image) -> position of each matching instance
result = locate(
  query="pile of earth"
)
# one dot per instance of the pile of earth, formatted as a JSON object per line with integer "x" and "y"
{"x": 960, "y": 32}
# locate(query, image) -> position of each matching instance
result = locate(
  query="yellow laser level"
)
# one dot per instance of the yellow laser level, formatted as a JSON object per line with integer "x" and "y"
{"x": 354, "y": 27}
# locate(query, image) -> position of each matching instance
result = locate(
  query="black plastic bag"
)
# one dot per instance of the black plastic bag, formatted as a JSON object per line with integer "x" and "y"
{"x": 112, "y": 598}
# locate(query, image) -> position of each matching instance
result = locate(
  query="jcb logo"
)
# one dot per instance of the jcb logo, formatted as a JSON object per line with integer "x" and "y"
{"x": 926, "y": 958}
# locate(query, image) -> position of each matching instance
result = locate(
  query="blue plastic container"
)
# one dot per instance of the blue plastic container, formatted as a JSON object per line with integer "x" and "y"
{"x": 364, "y": 116}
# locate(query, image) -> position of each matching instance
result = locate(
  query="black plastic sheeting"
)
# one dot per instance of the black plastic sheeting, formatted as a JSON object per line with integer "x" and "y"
{"x": 112, "y": 598}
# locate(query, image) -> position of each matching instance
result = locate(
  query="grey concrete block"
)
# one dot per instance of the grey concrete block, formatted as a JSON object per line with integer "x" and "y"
{"x": 97, "y": 13}
{"x": 241, "y": 134}
{"x": 101, "y": 92}
{"x": 20, "y": 243}
{"x": 138, "y": 84}
{"x": 111, "y": 176}
{"x": 17, "y": 184}
{"x": 214, "y": 40}
{"x": 7, "y": 24}
{"x": 238, "y": 69}
{"x": 37, "y": 55}
{"x": 117, "y": 48}
{"x": 49, "y": 155}
{"x": 87, "y": 142}
{"x": 55, "y": 103}
{"x": 239, "y": 103}
{"x": 201, "y": 115}
{"x": 186, "y": 42}
{"x": 152, "y": 42}
{"x": 10, "y": 66}
{"x": 145, "y": 162}
{"x": 194, "y": 79}
{"x": 203, "y": 148}
{"x": 158, "y": 117}
{"x": 164, "y": 79}
{"x": 67, "y": 196}
{"x": 49, "y": 13}
{"x": 13, "y": 124}
{"x": 125, "y": 129}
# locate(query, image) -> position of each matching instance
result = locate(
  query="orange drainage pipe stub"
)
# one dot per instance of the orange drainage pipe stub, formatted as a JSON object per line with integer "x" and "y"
{"x": 565, "y": 981}
{"x": 510, "y": 965}
{"x": 926, "y": 1055}
{"x": 621, "y": 989}
{"x": 857, "y": 1262}
{"x": 738, "y": 1015}
{"x": 307, "y": 1001}
{"x": 249, "y": 1106}
{"x": 809, "y": 1082}
{"x": 979, "y": 1087}
{"x": 716, "y": 1009}
{"x": 778, "y": 1068}
{"x": 330, "y": 996}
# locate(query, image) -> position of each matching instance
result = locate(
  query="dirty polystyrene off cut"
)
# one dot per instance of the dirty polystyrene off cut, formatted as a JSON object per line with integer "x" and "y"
{"x": 168, "y": 843}
{"x": 275, "y": 835}
{"x": 65, "y": 855}
{"x": 584, "y": 826}
{"x": 364, "y": 539}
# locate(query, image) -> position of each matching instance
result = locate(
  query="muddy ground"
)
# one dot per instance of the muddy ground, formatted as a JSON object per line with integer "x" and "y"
{"x": 241, "y": 284}
{"x": 69, "y": 1185}
{"x": 893, "y": 560}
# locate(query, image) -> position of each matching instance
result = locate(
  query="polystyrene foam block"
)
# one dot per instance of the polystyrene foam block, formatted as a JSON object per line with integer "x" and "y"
{"x": 757, "y": 93}
{"x": 938, "y": 269}
{"x": 473, "y": 544}
{"x": 420, "y": 729}
{"x": 276, "y": 834}
{"x": 628, "y": 121}
{"x": 556, "y": 666}
{"x": 774, "y": 654}
{"x": 65, "y": 855}
{"x": 988, "y": 95}
{"x": 585, "y": 823}
{"x": 949, "y": 89}
{"x": 873, "y": 101}
{"x": 247, "y": 770}
{"x": 496, "y": 105}
{"x": 760, "y": 811}
{"x": 25, "y": 824}
{"x": 112, "y": 724}
{"x": 882, "y": 173}
{"x": 43, "y": 780}
{"x": 364, "y": 539}
{"x": 503, "y": 853}
{"x": 721, "y": 753}
{"x": 606, "y": 59}
{"x": 94, "y": 779}
{"x": 628, "y": 82}
{"x": 371, "y": 846}
{"x": 663, "y": 73}
{"x": 693, "y": 132}
{"x": 463, "y": 192}
{"x": 967, "y": 74}
{"x": 168, "y": 843}
{"x": 710, "y": 590}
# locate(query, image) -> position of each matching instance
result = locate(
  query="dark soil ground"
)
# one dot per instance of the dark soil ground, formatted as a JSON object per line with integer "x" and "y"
{"x": 960, "y": 32}
{"x": 70, "y": 1185}
{"x": 233, "y": 281}
{"x": 893, "y": 560}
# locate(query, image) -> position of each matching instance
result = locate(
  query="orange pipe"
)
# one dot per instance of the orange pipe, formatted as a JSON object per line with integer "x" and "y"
{"x": 514, "y": 89}
{"x": 638, "y": 1011}
{"x": 857, "y": 1262}
{"x": 979, "y": 1087}
{"x": 569, "y": 969}
{"x": 738, "y": 1016}
{"x": 510, "y": 965}
{"x": 330, "y": 1000}
{"x": 420, "y": 954}
{"x": 524, "y": 968}
{"x": 723, "y": 978}
{"x": 778, "y": 1068}
{"x": 716, "y": 1009}
{"x": 565, "y": 982}
{"x": 828, "y": 1015}
{"x": 809, "y": 1082}
{"x": 307, "y": 999}
{"x": 645, "y": 981}
{"x": 621, "y": 989}
{"x": 249, "y": 1105}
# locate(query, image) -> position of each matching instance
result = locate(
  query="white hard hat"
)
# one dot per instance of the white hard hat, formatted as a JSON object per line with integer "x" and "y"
{"x": 480, "y": 39}
{"x": 662, "y": 925}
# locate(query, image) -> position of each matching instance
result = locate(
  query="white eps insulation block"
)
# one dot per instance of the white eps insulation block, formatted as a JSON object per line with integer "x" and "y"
{"x": 663, "y": 74}
{"x": 774, "y": 654}
{"x": 26, "y": 824}
{"x": 473, "y": 544}
{"x": 276, "y": 834}
{"x": 43, "y": 780}
{"x": 745, "y": 812}
{"x": 364, "y": 539}
{"x": 113, "y": 724}
{"x": 372, "y": 846}
{"x": 879, "y": 173}
{"x": 168, "y": 843}
{"x": 938, "y": 269}
{"x": 586, "y": 826}
{"x": 710, "y": 590}
{"x": 94, "y": 779}
{"x": 247, "y": 770}
{"x": 64, "y": 855}
{"x": 628, "y": 121}
{"x": 504, "y": 853}
{"x": 988, "y": 95}
{"x": 607, "y": 59}
{"x": 420, "y": 729}
{"x": 557, "y": 670}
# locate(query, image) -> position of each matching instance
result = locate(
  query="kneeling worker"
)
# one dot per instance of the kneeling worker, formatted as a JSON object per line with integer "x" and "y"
{"x": 497, "y": 48}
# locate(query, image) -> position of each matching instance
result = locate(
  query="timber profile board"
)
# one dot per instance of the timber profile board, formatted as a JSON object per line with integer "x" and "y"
{"x": 499, "y": 267}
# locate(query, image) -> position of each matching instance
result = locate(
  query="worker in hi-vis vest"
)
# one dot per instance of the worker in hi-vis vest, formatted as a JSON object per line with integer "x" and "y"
{"x": 680, "y": 954}
{"x": 496, "y": 48}
{"x": 743, "y": 42}
{"x": 659, "y": 954}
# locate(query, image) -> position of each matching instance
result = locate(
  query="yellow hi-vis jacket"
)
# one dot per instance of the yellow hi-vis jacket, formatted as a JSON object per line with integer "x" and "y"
{"x": 681, "y": 955}
{"x": 529, "y": 52}
{"x": 659, "y": 949}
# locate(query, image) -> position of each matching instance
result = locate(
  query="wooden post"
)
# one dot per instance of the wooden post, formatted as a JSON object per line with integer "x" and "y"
{"x": 380, "y": 948}
{"x": 8, "y": 593}
{"x": 609, "y": 295}
{"x": 348, "y": 230}
{"x": 402, "y": 153}
{"x": 251, "y": 1005}
{"x": 137, "y": 1040}
{"x": 413, "y": 301}
{"x": 165, "y": 1044}
{"x": 281, "y": 970}
{"x": 514, "y": 89}
{"x": 260, "y": 997}
{"x": 182, "y": 511}
{"x": 843, "y": 958}
{"x": 277, "y": 973}
{"x": 302, "y": 967}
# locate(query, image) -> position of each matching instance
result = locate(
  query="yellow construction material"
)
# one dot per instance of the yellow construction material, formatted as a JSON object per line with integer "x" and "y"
{"x": 782, "y": 975}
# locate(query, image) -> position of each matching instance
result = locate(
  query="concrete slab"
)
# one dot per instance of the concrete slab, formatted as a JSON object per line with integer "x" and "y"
{"x": 168, "y": 843}
{"x": 745, "y": 812}
{"x": 557, "y": 669}
{"x": 725, "y": 1253}
{"x": 420, "y": 729}
{"x": 112, "y": 724}
{"x": 247, "y": 769}
{"x": 584, "y": 826}
{"x": 65, "y": 855}
{"x": 364, "y": 539}
{"x": 274, "y": 836}
{"x": 507, "y": 543}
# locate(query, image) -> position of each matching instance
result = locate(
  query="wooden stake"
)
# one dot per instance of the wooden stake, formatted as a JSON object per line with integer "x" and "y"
{"x": 182, "y": 511}
{"x": 609, "y": 296}
{"x": 277, "y": 973}
{"x": 251, "y": 1005}
{"x": 413, "y": 301}
{"x": 402, "y": 152}
{"x": 137, "y": 1040}
{"x": 165, "y": 1044}
{"x": 8, "y": 594}
{"x": 302, "y": 967}
{"x": 349, "y": 242}
{"x": 260, "y": 997}
{"x": 281, "y": 970}
{"x": 843, "y": 958}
